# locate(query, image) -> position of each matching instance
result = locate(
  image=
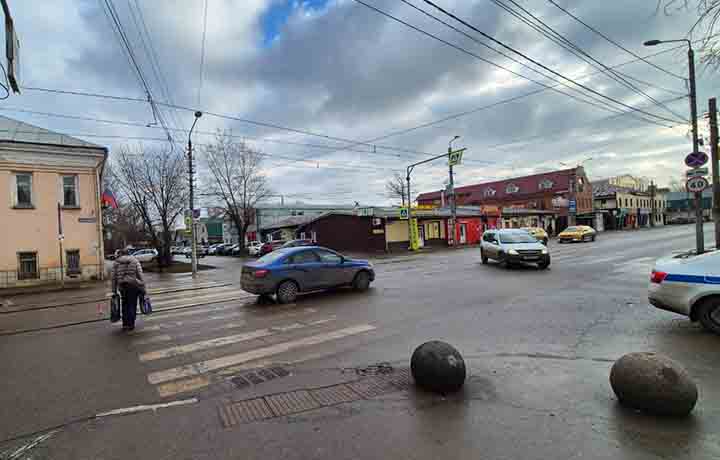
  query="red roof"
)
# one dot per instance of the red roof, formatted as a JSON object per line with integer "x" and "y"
{"x": 551, "y": 182}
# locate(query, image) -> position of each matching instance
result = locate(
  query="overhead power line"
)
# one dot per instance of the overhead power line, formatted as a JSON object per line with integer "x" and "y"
{"x": 602, "y": 105}
{"x": 152, "y": 56}
{"x": 115, "y": 19}
{"x": 543, "y": 66}
{"x": 652, "y": 64}
{"x": 556, "y": 37}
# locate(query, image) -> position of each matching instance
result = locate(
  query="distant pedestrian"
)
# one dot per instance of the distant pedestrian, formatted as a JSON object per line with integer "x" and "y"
{"x": 127, "y": 277}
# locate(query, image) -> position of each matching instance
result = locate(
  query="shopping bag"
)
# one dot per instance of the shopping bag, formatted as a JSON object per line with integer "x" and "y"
{"x": 115, "y": 308}
{"x": 145, "y": 305}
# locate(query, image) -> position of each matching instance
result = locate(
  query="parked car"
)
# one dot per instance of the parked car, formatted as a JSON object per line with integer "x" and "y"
{"x": 681, "y": 220}
{"x": 220, "y": 249}
{"x": 237, "y": 250}
{"x": 270, "y": 246}
{"x": 254, "y": 248}
{"x": 297, "y": 243}
{"x": 213, "y": 249}
{"x": 289, "y": 271}
{"x": 688, "y": 284}
{"x": 200, "y": 250}
{"x": 513, "y": 246}
{"x": 581, "y": 233}
{"x": 538, "y": 233}
{"x": 145, "y": 255}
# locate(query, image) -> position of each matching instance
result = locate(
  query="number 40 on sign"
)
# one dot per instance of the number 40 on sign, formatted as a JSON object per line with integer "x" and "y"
{"x": 697, "y": 184}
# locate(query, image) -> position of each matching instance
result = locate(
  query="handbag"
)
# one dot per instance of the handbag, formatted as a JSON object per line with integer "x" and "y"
{"x": 145, "y": 305}
{"x": 115, "y": 308}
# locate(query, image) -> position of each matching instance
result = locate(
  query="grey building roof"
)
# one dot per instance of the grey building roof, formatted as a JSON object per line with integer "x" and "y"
{"x": 12, "y": 130}
{"x": 293, "y": 221}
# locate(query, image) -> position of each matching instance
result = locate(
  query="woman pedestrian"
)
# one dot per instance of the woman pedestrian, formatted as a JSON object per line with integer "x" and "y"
{"x": 128, "y": 278}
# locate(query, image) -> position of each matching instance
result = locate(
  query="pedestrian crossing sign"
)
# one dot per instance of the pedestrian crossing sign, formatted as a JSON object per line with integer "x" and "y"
{"x": 403, "y": 213}
{"x": 455, "y": 157}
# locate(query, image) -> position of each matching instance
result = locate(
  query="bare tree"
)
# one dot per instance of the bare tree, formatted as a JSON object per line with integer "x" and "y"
{"x": 396, "y": 187}
{"x": 236, "y": 179}
{"x": 705, "y": 28}
{"x": 154, "y": 183}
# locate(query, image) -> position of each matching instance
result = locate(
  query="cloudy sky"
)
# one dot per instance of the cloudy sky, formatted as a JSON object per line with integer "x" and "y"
{"x": 347, "y": 74}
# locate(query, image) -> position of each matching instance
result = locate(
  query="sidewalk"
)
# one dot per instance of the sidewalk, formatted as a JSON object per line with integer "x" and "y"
{"x": 41, "y": 311}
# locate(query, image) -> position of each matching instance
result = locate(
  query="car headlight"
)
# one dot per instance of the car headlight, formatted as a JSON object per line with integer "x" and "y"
{"x": 512, "y": 252}
{"x": 544, "y": 251}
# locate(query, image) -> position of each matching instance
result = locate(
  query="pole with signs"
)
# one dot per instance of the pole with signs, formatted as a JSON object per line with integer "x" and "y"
{"x": 61, "y": 237}
{"x": 715, "y": 169}
{"x": 454, "y": 157}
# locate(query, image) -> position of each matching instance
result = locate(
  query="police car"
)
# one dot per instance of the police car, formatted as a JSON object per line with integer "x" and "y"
{"x": 688, "y": 284}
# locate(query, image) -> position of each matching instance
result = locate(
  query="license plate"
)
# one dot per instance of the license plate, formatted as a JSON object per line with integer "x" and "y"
{"x": 530, "y": 258}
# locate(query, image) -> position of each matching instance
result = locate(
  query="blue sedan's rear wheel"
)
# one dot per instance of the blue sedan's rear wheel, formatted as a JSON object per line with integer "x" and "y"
{"x": 361, "y": 281}
{"x": 287, "y": 292}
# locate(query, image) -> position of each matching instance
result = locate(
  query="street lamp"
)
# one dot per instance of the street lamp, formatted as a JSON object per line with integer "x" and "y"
{"x": 699, "y": 240}
{"x": 193, "y": 243}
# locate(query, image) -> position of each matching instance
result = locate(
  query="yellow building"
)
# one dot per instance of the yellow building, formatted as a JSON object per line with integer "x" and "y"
{"x": 49, "y": 180}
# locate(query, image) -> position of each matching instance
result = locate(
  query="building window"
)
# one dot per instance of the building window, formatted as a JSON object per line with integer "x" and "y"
{"x": 512, "y": 188}
{"x": 302, "y": 235}
{"x": 547, "y": 184}
{"x": 73, "y": 261}
{"x": 69, "y": 191}
{"x": 489, "y": 191}
{"x": 27, "y": 266}
{"x": 23, "y": 190}
{"x": 313, "y": 236}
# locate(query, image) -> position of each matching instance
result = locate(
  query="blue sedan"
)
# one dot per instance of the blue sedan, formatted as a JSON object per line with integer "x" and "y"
{"x": 289, "y": 271}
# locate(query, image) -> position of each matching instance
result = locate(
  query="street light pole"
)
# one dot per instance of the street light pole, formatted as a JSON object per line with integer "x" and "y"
{"x": 451, "y": 189}
{"x": 409, "y": 170}
{"x": 699, "y": 238}
{"x": 191, "y": 174}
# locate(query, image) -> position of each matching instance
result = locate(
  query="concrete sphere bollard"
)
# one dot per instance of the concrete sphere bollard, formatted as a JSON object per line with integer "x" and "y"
{"x": 438, "y": 367}
{"x": 653, "y": 383}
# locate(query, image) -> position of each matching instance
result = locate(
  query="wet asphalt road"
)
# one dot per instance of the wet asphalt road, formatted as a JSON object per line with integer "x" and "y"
{"x": 539, "y": 346}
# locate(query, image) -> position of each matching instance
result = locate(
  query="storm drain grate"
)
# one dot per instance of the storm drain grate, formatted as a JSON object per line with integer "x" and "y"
{"x": 291, "y": 403}
{"x": 259, "y": 376}
{"x": 253, "y": 378}
{"x": 336, "y": 394}
{"x": 370, "y": 388}
{"x": 251, "y": 410}
{"x": 401, "y": 378}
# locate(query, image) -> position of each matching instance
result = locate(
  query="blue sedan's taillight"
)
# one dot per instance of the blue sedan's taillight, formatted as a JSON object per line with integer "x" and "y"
{"x": 261, "y": 273}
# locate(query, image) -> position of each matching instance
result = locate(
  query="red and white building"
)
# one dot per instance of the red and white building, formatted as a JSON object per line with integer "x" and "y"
{"x": 547, "y": 200}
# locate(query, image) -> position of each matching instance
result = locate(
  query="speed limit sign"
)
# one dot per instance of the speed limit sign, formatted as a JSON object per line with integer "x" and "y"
{"x": 697, "y": 184}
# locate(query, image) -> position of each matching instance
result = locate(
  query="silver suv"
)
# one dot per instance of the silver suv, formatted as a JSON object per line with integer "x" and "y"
{"x": 512, "y": 247}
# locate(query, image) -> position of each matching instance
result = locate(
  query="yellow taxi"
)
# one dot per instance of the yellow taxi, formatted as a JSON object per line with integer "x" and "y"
{"x": 577, "y": 233}
{"x": 537, "y": 233}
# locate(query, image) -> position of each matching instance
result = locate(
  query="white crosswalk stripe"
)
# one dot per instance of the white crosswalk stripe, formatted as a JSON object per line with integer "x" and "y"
{"x": 187, "y": 347}
{"x": 202, "y": 367}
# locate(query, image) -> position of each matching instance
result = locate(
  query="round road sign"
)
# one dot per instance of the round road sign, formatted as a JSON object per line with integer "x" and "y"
{"x": 697, "y": 184}
{"x": 696, "y": 159}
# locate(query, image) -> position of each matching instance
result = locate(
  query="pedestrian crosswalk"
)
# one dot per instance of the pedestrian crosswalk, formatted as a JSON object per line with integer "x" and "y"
{"x": 184, "y": 348}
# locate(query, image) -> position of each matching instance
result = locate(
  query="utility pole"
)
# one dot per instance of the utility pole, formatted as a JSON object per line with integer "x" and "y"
{"x": 652, "y": 204}
{"x": 191, "y": 174}
{"x": 451, "y": 190}
{"x": 715, "y": 169}
{"x": 409, "y": 170}
{"x": 699, "y": 237}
